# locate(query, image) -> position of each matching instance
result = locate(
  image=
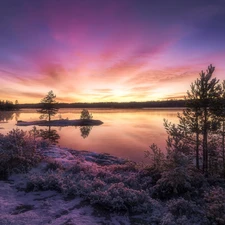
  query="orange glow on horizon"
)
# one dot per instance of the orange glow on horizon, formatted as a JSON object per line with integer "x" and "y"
{"x": 98, "y": 51}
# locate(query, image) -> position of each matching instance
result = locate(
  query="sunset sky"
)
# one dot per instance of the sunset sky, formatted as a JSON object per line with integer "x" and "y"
{"x": 108, "y": 50}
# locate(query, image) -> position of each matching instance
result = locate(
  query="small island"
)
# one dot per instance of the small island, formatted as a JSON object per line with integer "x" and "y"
{"x": 63, "y": 122}
{"x": 49, "y": 108}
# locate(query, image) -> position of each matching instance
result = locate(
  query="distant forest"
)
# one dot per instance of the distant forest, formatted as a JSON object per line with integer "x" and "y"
{"x": 116, "y": 105}
{"x": 8, "y": 105}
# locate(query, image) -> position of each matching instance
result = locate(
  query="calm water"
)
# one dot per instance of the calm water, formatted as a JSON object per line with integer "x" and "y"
{"x": 125, "y": 133}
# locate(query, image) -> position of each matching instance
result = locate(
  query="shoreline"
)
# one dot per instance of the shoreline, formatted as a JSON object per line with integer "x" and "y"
{"x": 80, "y": 187}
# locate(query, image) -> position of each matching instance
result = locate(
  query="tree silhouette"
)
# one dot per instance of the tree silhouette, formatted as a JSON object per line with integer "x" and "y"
{"x": 6, "y": 116}
{"x": 85, "y": 115}
{"x": 85, "y": 131}
{"x": 219, "y": 114}
{"x": 197, "y": 131}
{"x": 202, "y": 101}
{"x": 49, "y": 134}
{"x": 48, "y": 106}
{"x": 7, "y": 105}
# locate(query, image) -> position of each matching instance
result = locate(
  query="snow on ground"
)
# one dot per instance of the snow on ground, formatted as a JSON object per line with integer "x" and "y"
{"x": 18, "y": 207}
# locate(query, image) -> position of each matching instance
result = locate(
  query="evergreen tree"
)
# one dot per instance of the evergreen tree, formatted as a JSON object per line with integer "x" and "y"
{"x": 223, "y": 125}
{"x": 219, "y": 119}
{"x": 48, "y": 106}
{"x": 195, "y": 133}
{"x": 202, "y": 100}
{"x": 85, "y": 115}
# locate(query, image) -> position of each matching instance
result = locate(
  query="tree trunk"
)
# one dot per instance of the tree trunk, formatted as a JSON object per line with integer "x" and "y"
{"x": 197, "y": 144}
{"x": 223, "y": 146}
{"x": 205, "y": 142}
{"x": 197, "y": 150}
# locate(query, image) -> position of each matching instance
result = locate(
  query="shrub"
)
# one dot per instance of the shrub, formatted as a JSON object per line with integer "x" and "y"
{"x": 183, "y": 212}
{"x": 50, "y": 180}
{"x": 119, "y": 197}
{"x": 178, "y": 180}
{"x": 152, "y": 173}
{"x": 172, "y": 183}
{"x": 156, "y": 156}
{"x": 17, "y": 153}
{"x": 53, "y": 165}
{"x": 102, "y": 186}
{"x": 179, "y": 207}
{"x": 215, "y": 205}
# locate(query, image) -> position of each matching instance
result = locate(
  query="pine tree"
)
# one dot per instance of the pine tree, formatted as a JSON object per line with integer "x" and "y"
{"x": 85, "y": 115}
{"x": 202, "y": 101}
{"x": 48, "y": 106}
{"x": 196, "y": 130}
{"x": 219, "y": 114}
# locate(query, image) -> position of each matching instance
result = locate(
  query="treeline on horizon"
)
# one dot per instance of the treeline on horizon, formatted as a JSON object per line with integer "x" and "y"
{"x": 8, "y": 105}
{"x": 116, "y": 105}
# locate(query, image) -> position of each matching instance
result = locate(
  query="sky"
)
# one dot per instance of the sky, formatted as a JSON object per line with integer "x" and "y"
{"x": 108, "y": 50}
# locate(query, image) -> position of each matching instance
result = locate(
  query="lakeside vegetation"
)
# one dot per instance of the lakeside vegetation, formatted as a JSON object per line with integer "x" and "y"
{"x": 185, "y": 185}
{"x": 173, "y": 193}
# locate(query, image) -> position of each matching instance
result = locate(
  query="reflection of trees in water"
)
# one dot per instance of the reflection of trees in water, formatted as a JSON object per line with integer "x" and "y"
{"x": 34, "y": 133}
{"x": 47, "y": 134}
{"x": 85, "y": 131}
{"x": 6, "y": 116}
{"x": 17, "y": 115}
{"x": 51, "y": 135}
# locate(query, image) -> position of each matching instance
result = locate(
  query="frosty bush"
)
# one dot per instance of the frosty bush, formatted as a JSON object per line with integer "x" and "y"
{"x": 128, "y": 167}
{"x": 17, "y": 153}
{"x": 180, "y": 181}
{"x": 151, "y": 173}
{"x": 181, "y": 211}
{"x": 50, "y": 180}
{"x": 156, "y": 156}
{"x": 53, "y": 165}
{"x": 180, "y": 207}
{"x": 178, "y": 177}
{"x": 102, "y": 186}
{"x": 119, "y": 197}
{"x": 172, "y": 183}
{"x": 14, "y": 143}
{"x": 215, "y": 205}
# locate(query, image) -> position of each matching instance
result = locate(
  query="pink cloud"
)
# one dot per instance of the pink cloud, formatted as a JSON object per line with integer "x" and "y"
{"x": 92, "y": 49}
{"x": 177, "y": 96}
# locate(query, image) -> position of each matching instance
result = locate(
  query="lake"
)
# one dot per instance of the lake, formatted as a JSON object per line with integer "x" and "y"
{"x": 125, "y": 133}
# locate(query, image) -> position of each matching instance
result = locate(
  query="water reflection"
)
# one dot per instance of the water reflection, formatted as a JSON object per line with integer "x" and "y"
{"x": 49, "y": 134}
{"x": 85, "y": 131}
{"x": 34, "y": 133}
{"x": 125, "y": 133}
{"x": 6, "y": 116}
{"x": 17, "y": 115}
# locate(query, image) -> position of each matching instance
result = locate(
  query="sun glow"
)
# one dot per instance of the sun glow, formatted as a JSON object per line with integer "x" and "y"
{"x": 89, "y": 60}
{"x": 120, "y": 92}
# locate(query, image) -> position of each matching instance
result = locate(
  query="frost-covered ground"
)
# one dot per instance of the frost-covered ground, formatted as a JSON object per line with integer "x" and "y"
{"x": 71, "y": 187}
{"x": 41, "y": 207}
{"x": 18, "y": 206}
